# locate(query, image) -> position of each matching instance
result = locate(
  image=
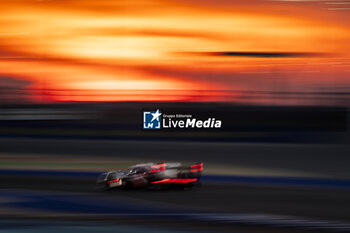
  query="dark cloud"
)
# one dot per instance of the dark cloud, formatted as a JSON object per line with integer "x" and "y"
{"x": 14, "y": 90}
{"x": 151, "y": 32}
{"x": 258, "y": 54}
{"x": 13, "y": 82}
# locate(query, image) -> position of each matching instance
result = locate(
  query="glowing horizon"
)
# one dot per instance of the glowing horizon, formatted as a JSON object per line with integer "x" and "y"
{"x": 184, "y": 46}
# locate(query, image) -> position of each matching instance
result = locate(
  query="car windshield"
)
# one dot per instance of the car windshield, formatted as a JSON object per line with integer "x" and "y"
{"x": 137, "y": 170}
{"x": 133, "y": 171}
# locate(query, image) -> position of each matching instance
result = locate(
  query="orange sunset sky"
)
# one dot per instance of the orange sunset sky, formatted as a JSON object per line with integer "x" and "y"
{"x": 176, "y": 50}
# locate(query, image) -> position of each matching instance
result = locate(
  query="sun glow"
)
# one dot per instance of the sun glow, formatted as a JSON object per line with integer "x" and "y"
{"x": 129, "y": 85}
{"x": 151, "y": 45}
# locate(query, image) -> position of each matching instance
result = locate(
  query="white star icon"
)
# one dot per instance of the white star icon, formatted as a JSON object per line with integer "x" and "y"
{"x": 156, "y": 115}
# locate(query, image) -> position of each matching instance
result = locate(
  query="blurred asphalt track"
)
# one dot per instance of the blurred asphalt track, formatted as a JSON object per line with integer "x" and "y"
{"x": 305, "y": 160}
{"x": 261, "y": 200}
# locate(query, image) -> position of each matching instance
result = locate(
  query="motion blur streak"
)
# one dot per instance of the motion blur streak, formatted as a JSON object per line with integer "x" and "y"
{"x": 122, "y": 46}
{"x": 180, "y": 181}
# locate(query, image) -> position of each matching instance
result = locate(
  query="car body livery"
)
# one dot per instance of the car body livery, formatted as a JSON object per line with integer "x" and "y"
{"x": 152, "y": 176}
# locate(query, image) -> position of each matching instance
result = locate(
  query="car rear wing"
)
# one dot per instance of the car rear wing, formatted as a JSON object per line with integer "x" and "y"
{"x": 195, "y": 169}
{"x": 198, "y": 167}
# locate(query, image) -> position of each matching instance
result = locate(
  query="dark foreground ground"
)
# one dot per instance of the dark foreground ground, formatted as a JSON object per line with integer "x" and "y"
{"x": 35, "y": 200}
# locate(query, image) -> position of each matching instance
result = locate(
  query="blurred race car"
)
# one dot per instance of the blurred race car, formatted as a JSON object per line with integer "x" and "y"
{"x": 152, "y": 176}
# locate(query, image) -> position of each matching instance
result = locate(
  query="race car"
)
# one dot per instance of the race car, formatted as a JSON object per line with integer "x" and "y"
{"x": 153, "y": 176}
